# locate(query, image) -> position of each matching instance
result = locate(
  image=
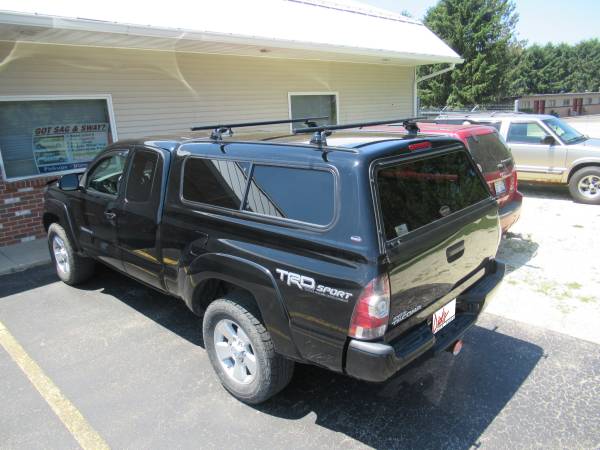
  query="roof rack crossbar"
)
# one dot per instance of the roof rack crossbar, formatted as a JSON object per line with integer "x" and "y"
{"x": 219, "y": 129}
{"x": 321, "y": 132}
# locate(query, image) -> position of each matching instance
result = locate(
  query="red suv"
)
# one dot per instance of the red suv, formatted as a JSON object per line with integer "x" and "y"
{"x": 491, "y": 155}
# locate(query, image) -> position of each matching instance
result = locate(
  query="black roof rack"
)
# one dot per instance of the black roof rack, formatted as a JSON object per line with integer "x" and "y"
{"x": 219, "y": 129}
{"x": 321, "y": 132}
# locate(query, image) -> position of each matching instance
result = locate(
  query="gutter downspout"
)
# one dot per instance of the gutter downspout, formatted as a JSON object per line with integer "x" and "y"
{"x": 427, "y": 77}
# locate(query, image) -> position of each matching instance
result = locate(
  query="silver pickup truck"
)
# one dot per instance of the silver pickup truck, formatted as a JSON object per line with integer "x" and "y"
{"x": 546, "y": 149}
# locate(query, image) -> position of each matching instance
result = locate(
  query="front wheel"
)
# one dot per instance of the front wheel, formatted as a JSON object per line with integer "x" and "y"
{"x": 584, "y": 185}
{"x": 71, "y": 268}
{"x": 241, "y": 351}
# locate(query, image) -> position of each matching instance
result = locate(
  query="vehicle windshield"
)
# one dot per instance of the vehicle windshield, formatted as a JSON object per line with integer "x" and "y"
{"x": 565, "y": 132}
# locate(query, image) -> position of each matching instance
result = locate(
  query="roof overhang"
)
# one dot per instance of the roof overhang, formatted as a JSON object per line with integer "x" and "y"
{"x": 289, "y": 29}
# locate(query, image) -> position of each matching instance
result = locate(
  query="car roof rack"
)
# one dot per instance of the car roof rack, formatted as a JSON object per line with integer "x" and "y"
{"x": 220, "y": 129}
{"x": 320, "y": 133}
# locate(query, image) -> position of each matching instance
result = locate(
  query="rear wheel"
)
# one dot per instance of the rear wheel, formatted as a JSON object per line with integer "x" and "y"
{"x": 584, "y": 185}
{"x": 242, "y": 353}
{"x": 71, "y": 268}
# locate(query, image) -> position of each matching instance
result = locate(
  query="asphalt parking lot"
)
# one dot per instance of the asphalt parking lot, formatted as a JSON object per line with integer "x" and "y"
{"x": 132, "y": 364}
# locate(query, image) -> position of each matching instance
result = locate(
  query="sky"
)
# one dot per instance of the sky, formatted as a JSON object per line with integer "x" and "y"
{"x": 540, "y": 21}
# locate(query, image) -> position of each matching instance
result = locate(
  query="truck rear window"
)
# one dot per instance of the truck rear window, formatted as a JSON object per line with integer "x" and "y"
{"x": 489, "y": 151}
{"x": 414, "y": 194}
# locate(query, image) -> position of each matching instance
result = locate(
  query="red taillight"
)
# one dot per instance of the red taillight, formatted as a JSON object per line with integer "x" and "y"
{"x": 372, "y": 310}
{"x": 419, "y": 145}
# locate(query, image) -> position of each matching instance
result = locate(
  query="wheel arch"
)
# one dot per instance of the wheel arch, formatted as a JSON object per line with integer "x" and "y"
{"x": 213, "y": 275}
{"x": 56, "y": 211}
{"x": 581, "y": 165}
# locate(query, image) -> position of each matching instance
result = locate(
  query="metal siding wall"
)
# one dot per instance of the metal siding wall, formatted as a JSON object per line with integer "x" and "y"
{"x": 162, "y": 92}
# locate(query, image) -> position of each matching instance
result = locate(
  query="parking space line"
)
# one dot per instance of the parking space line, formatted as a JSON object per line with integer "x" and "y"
{"x": 68, "y": 414}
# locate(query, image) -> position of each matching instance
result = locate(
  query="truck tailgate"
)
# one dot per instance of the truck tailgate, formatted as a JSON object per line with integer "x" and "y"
{"x": 441, "y": 228}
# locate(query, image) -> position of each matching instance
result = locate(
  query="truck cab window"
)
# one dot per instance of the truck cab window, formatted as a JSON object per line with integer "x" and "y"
{"x": 525, "y": 133}
{"x": 105, "y": 177}
{"x": 141, "y": 176}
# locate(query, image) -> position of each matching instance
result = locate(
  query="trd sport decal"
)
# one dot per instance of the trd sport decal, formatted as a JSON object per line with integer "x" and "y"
{"x": 309, "y": 284}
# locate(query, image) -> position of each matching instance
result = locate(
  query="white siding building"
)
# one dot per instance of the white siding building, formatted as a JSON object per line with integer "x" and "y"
{"x": 69, "y": 86}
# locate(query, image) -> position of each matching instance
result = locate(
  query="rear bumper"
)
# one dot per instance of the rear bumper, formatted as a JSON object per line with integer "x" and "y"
{"x": 378, "y": 361}
{"x": 511, "y": 211}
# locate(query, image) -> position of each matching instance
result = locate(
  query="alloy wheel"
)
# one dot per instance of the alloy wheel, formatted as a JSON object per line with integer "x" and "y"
{"x": 60, "y": 254}
{"x": 589, "y": 186}
{"x": 235, "y": 352}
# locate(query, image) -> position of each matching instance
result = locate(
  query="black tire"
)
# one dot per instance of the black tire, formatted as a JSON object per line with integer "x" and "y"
{"x": 593, "y": 173}
{"x": 78, "y": 268}
{"x": 273, "y": 372}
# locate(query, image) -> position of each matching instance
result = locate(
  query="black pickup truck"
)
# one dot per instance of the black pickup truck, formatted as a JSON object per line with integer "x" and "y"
{"x": 354, "y": 251}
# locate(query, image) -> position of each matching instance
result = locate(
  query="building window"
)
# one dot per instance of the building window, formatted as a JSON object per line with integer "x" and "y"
{"x": 551, "y": 103}
{"x": 44, "y": 136}
{"x": 313, "y": 104}
{"x": 589, "y": 100}
{"x": 525, "y": 104}
{"x": 566, "y": 102}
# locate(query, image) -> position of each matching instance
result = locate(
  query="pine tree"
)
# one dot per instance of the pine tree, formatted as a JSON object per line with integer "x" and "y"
{"x": 482, "y": 32}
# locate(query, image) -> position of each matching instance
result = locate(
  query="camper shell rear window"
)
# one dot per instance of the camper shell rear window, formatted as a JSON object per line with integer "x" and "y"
{"x": 415, "y": 193}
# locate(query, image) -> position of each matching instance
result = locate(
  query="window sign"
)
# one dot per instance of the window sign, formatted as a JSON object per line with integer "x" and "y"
{"x": 67, "y": 147}
{"x": 41, "y": 137}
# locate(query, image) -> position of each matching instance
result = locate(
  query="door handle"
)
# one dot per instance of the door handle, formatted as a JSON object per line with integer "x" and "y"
{"x": 110, "y": 215}
{"x": 455, "y": 251}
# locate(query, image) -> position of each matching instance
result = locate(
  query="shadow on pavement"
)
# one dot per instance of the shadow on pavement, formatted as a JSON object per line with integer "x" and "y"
{"x": 516, "y": 250}
{"x": 444, "y": 402}
{"x": 548, "y": 191}
{"x": 14, "y": 283}
{"x": 165, "y": 310}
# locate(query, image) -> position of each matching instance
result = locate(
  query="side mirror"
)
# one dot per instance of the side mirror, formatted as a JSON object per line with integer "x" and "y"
{"x": 69, "y": 182}
{"x": 548, "y": 140}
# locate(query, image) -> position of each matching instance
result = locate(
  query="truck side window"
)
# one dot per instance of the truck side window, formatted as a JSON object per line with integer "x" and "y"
{"x": 105, "y": 177}
{"x": 215, "y": 182}
{"x": 525, "y": 133}
{"x": 141, "y": 176}
{"x": 298, "y": 194}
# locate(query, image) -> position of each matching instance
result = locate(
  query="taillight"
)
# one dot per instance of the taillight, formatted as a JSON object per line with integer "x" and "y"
{"x": 372, "y": 310}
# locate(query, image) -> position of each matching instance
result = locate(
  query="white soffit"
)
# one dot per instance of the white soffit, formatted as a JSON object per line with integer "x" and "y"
{"x": 319, "y": 29}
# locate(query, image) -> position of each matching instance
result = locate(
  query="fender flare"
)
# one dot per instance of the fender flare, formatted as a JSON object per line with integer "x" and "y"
{"x": 254, "y": 278}
{"x": 59, "y": 209}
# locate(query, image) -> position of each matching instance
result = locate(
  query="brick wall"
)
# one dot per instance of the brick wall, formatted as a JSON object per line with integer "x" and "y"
{"x": 21, "y": 208}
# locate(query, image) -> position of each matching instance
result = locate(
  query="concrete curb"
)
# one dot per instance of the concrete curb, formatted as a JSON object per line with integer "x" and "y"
{"x": 23, "y": 256}
{"x": 22, "y": 267}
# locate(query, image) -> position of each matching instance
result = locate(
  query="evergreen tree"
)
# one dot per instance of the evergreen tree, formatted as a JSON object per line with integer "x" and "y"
{"x": 482, "y": 32}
